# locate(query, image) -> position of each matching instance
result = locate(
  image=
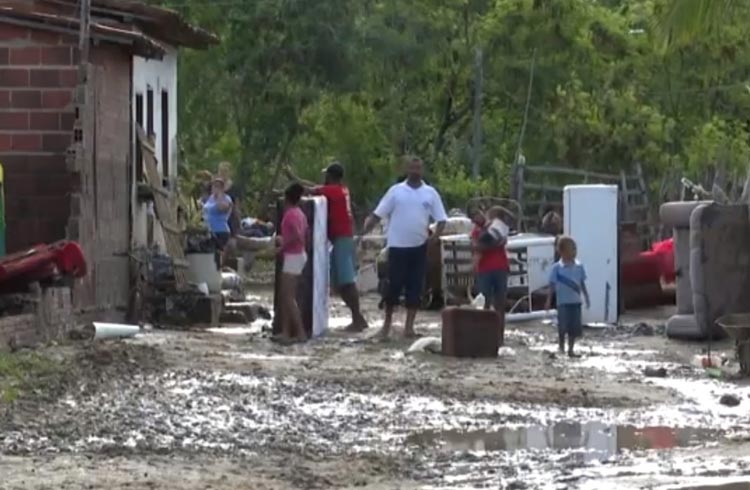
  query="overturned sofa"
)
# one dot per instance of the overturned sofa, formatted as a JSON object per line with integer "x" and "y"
{"x": 712, "y": 255}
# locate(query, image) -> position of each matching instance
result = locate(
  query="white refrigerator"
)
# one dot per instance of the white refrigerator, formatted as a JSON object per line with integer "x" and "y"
{"x": 591, "y": 217}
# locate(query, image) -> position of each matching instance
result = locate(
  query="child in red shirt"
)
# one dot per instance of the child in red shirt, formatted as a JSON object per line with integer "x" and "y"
{"x": 491, "y": 263}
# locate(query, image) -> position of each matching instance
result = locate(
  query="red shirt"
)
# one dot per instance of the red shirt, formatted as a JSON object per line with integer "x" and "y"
{"x": 493, "y": 259}
{"x": 340, "y": 220}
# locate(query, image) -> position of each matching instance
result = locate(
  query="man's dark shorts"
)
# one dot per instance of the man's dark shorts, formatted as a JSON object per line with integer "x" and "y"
{"x": 492, "y": 284}
{"x": 406, "y": 271}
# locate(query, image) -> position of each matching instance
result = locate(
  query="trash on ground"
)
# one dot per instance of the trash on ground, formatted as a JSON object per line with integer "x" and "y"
{"x": 479, "y": 302}
{"x": 703, "y": 361}
{"x": 730, "y": 400}
{"x": 644, "y": 329}
{"x": 433, "y": 345}
{"x": 506, "y": 352}
{"x": 99, "y": 330}
{"x": 652, "y": 372}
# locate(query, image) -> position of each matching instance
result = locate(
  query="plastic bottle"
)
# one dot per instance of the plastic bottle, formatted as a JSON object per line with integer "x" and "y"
{"x": 478, "y": 302}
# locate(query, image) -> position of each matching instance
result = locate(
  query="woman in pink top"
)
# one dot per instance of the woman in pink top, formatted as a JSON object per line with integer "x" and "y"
{"x": 291, "y": 244}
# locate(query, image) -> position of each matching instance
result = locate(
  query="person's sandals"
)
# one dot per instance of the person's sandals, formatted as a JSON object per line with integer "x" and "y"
{"x": 356, "y": 328}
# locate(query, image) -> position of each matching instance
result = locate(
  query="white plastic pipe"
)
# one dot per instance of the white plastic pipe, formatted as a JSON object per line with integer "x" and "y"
{"x": 532, "y": 315}
{"x": 112, "y": 330}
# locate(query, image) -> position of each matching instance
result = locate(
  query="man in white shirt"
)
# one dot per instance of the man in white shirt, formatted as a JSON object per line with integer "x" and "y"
{"x": 409, "y": 207}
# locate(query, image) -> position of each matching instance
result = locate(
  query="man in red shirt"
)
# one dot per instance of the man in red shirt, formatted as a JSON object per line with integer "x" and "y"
{"x": 492, "y": 268}
{"x": 341, "y": 236}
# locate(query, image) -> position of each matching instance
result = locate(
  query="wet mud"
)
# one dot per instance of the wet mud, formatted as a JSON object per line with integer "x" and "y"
{"x": 227, "y": 408}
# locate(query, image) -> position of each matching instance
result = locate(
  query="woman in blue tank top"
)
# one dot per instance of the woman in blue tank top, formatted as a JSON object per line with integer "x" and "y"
{"x": 216, "y": 211}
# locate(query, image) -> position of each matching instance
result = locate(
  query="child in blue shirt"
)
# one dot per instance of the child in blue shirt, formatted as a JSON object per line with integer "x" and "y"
{"x": 568, "y": 282}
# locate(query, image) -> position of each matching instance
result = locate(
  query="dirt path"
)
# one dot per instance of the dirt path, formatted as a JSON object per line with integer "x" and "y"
{"x": 228, "y": 409}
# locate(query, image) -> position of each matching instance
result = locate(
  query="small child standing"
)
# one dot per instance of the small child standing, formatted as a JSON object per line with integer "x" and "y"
{"x": 568, "y": 282}
{"x": 491, "y": 262}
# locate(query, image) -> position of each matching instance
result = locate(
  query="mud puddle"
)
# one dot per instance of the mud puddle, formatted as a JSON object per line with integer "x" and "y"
{"x": 719, "y": 486}
{"x": 563, "y": 455}
{"x": 599, "y": 442}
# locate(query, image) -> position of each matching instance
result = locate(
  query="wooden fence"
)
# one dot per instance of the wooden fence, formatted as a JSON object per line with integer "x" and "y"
{"x": 538, "y": 188}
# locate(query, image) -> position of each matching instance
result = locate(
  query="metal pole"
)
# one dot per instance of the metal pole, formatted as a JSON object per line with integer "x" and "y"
{"x": 84, "y": 35}
{"x": 526, "y": 109}
{"x": 476, "y": 144}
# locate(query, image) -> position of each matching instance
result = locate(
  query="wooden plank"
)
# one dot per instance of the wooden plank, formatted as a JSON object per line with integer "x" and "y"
{"x": 560, "y": 190}
{"x": 166, "y": 209}
{"x": 169, "y": 227}
{"x": 538, "y": 203}
{"x": 180, "y": 263}
{"x": 161, "y": 190}
{"x": 642, "y": 183}
{"x": 543, "y": 188}
{"x": 457, "y": 261}
{"x": 638, "y": 207}
{"x": 551, "y": 169}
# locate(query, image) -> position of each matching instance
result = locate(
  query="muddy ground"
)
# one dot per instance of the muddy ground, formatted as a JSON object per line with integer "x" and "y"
{"x": 227, "y": 409}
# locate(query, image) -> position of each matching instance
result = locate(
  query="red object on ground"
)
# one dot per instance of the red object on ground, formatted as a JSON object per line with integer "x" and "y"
{"x": 41, "y": 262}
{"x": 646, "y": 268}
{"x": 665, "y": 251}
{"x": 70, "y": 259}
{"x": 642, "y": 276}
{"x": 651, "y": 266}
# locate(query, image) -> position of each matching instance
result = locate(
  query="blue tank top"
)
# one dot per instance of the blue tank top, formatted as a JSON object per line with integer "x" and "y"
{"x": 217, "y": 220}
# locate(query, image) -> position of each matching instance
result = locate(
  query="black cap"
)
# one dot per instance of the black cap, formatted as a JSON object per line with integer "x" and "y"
{"x": 335, "y": 170}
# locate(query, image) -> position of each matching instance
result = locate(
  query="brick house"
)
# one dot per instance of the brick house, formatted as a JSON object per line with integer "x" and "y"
{"x": 67, "y": 129}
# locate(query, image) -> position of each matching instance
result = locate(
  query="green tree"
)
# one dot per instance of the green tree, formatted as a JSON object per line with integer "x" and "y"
{"x": 368, "y": 80}
{"x": 683, "y": 21}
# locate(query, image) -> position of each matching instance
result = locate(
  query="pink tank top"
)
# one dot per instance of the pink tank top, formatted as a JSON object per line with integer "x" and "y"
{"x": 294, "y": 229}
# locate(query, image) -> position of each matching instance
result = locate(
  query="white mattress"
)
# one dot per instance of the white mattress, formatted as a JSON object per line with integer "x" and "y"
{"x": 320, "y": 263}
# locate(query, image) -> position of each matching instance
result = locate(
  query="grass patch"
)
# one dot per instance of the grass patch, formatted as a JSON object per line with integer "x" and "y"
{"x": 21, "y": 372}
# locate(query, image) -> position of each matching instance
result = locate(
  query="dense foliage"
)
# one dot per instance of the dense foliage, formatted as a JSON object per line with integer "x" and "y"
{"x": 364, "y": 81}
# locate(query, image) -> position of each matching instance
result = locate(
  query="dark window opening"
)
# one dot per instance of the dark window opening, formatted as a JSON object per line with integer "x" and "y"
{"x": 139, "y": 122}
{"x": 165, "y": 133}
{"x": 150, "y": 111}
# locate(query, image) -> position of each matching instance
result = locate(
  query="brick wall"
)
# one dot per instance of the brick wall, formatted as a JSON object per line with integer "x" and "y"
{"x": 37, "y": 80}
{"x": 100, "y": 217}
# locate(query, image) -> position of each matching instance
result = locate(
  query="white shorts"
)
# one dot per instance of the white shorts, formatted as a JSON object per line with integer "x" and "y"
{"x": 294, "y": 264}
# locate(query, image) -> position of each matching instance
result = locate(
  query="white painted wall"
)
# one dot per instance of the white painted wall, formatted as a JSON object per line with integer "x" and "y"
{"x": 157, "y": 75}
